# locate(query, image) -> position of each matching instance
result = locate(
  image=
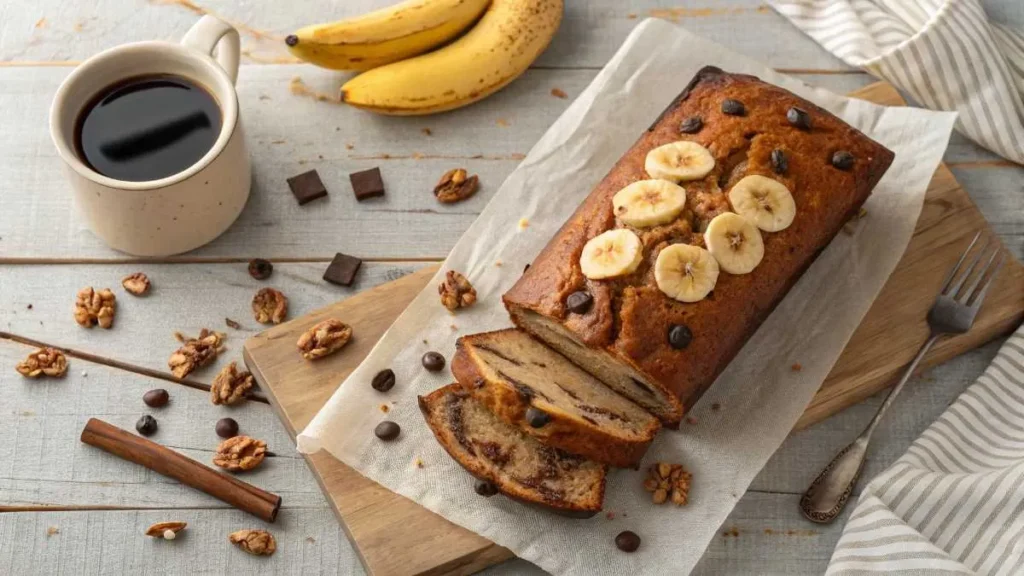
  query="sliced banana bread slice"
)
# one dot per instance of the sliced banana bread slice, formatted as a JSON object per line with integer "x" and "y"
{"x": 518, "y": 465}
{"x": 535, "y": 388}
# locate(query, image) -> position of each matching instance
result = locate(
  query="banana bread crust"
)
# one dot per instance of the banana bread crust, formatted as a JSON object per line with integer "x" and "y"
{"x": 630, "y": 317}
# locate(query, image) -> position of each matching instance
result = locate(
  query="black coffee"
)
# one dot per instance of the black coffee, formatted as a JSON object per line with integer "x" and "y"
{"x": 147, "y": 128}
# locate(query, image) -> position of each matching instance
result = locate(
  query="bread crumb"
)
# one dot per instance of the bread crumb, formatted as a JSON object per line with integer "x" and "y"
{"x": 78, "y": 26}
{"x": 426, "y": 131}
{"x": 631, "y": 16}
{"x": 716, "y": 407}
{"x": 610, "y": 515}
{"x": 691, "y": 420}
{"x": 502, "y": 122}
{"x": 524, "y": 223}
{"x": 278, "y": 141}
{"x": 417, "y": 156}
{"x": 384, "y": 408}
{"x": 419, "y": 463}
{"x": 733, "y": 531}
{"x": 454, "y": 327}
{"x": 52, "y": 530}
{"x": 769, "y": 531}
{"x": 264, "y": 97}
{"x": 41, "y": 23}
{"x": 559, "y": 93}
{"x": 497, "y": 263}
{"x": 319, "y": 156}
{"x": 425, "y": 341}
{"x": 310, "y": 539}
{"x": 796, "y": 367}
{"x": 349, "y": 146}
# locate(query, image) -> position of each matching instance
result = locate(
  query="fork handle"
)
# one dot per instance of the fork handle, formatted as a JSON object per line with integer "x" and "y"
{"x": 899, "y": 385}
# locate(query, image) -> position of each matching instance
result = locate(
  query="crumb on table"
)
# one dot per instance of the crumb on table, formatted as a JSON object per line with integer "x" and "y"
{"x": 796, "y": 367}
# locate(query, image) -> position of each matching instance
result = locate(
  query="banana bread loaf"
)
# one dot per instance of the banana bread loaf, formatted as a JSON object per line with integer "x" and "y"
{"x": 676, "y": 257}
{"x": 519, "y": 466}
{"x": 536, "y": 389}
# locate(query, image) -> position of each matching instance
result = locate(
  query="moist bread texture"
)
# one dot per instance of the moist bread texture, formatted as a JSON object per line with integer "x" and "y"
{"x": 622, "y": 338}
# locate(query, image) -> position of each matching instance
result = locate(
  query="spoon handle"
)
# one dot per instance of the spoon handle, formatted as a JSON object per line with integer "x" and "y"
{"x": 827, "y": 495}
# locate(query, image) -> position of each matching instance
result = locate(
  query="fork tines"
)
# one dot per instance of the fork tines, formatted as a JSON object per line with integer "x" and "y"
{"x": 974, "y": 293}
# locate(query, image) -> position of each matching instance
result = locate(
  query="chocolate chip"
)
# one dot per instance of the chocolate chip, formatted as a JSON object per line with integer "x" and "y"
{"x": 679, "y": 336}
{"x": 227, "y": 428}
{"x": 799, "y": 118}
{"x": 367, "y": 184}
{"x": 146, "y": 425}
{"x": 780, "y": 163}
{"x": 291, "y": 40}
{"x": 384, "y": 380}
{"x": 387, "y": 430}
{"x": 733, "y": 107}
{"x": 433, "y": 361}
{"x": 579, "y": 302}
{"x": 485, "y": 488}
{"x": 260, "y": 269}
{"x": 627, "y": 541}
{"x": 842, "y": 160}
{"x": 691, "y": 125}
{"x": 307, "y": 187}
{"x": 342, "y": 270}
{"x": 537, "y": 418}
{"x": 156, "y": 398}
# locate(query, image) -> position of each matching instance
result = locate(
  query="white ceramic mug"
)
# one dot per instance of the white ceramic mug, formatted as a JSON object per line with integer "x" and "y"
{"x": 182, "y": 211}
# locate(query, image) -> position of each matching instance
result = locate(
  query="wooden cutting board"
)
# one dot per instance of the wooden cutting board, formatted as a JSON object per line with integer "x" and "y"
{"x": 393, "y": 535}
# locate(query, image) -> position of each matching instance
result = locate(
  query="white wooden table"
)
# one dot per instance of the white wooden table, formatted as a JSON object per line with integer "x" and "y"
{"x": 67, "y": 508}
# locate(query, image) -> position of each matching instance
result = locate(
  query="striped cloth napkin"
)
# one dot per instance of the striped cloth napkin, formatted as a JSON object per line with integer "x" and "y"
{"x": 954, "y": 502}
{"x": 945, "y": 53}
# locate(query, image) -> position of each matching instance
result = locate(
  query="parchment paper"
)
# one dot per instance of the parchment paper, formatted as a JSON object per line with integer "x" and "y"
{"x": 761, "y": 397}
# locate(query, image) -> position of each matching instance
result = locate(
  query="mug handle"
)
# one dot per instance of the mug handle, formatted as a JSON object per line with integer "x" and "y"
{"x": 212, "y": 32}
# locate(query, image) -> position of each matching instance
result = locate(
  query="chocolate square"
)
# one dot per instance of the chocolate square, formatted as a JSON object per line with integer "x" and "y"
{"x": 307, "y": 187}
{"x": 343, "y": 269}
{"x": 367, "y": 184}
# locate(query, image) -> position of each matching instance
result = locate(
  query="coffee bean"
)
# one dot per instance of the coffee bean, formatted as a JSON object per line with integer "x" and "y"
{"x": 227, "y": 428}
{"x": 799, "y": 118}
{"x": 679, "y": 336}
{"x": 384, "y": 380}
{"x": 260, "y": 269}
{"x": 146, "y": 425}
{"x": 627, "y": 541}
{"x": 842, "y": 160}
{"x": 433, "y": 361}
{"x": 780, "y": 163}
{"x": 733, "y": 107}
{"x": 579, "y": 302}
{"x": 537, "y": 418}
{"x": 156, "y": 398}
{"x": 691, "y": 125}
{"x": 485, "y": 488}
{"x": 387, "y": 430}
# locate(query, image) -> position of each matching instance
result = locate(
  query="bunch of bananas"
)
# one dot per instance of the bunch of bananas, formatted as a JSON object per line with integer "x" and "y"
{"x": 404, "y": 77}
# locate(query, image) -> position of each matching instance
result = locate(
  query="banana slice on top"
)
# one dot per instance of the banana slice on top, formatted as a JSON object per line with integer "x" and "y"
{"x": 734, "y": 242}
{"x": 685, "y": 273}
{"x": 767, "y": 203}
{"x": 679, "y": 161}
{"x": 614, "y": 253}
{"x": 649, "y": 203}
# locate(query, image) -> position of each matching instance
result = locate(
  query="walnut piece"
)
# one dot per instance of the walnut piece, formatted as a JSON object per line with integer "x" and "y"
{"x": 137, "y": 284}
{"x": 455, "y": 186}
{"x": 160, "y": 529}
{"x": 456, "y": 291}
{"x": 92, "y": 307}
{"x": 324, "y": 338}
{"x": 255, "y": 542}
{"x": 668, "y": 481}
{"x": 240, "y": 453}
{"x": 196, "y": 352}
{"x": 269, "y": 306}
{"x": 45, "y": 361}
{"x": 230, "y": 386}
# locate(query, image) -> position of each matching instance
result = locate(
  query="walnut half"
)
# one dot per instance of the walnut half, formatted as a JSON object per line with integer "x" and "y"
{"x": 324, "y": 338}
{"x": 269, "y": 306}
{"x": 240, "y": 453}
{"x": 196, "y": 352}
{"x": 92, "y": 307}
{"x": 231, "y": 385}
{"x": 255, "y": 542}
{"x": 456, "y": 291}
{"x": 45, "y": 361}
{"x": 136, "y": 284}
{"x": 667, "y": 481}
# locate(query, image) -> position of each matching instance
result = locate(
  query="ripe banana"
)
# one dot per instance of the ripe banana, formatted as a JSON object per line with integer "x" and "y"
{"x": 766, "y": 203}
{"x": 734, "y": 242}
{"x": 502, "y": 45}
{"x": 679, "y": 161}
{"x": 685, "y": 273}
{"x": 649, "y": 203}
{"x": 386, "y": 35}
{"x": 614, "y": 253}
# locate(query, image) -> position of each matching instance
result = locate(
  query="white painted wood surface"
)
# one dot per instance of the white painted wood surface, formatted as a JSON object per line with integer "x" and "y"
{"x": 100, "y": 505}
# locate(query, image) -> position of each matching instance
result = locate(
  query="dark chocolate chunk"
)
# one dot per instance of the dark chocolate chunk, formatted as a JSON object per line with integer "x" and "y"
{"x": 146, "y": 425}
{"x": 627, "y": 541}
{"x": 733, "y": 107}
{"x": 260, "y": 269}
{"x": 342, "y": 270}
{"x": 537, "y": 418}
{"x": 579, "y": 302}
{"x": 156, "y": 398}
{"x": 384, "y": 380}
{"x": 387, "y": 430}
{"x": 679, "y": 336}
{"x": 485, "y": 488}
{"x": 433, "y": 361}
{"x": 842, "y": 160}
{"x": 367, "y": 184}
{"x": 799, "y": 118}
{"x": 691, "y": 125}
{"x": 307, "y": 187}
{"x": 780, "y": 163}
{"x": 227, "y": 428}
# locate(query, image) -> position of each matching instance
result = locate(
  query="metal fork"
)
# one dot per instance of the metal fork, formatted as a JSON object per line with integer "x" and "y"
{"x": 953, "y": 312}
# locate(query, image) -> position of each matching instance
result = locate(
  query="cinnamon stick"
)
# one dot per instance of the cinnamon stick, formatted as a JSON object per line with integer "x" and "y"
{"x": 157, "y": 458}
